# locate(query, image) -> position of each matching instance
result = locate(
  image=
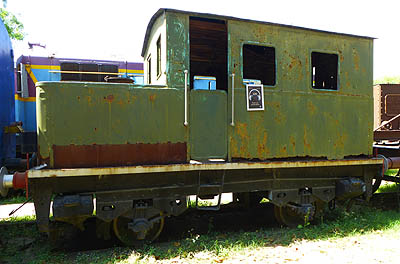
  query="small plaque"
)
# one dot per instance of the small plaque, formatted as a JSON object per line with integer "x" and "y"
{"x": 255, "y": 97}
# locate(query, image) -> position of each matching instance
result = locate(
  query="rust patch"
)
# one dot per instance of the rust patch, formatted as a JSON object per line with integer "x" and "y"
{"x": 42, "y": 160}
{"x": 262, "y": 149}
{"x": 234, "y": 147}
{"x": 311, "y": 107}
{"x": 293, "y": 143}
{"x": 84, "y": 156}
{"x": 283, "y": 151}
{"x": 294, "y": 62}
{"x": 346, "y": 74}
{"x": 307, "y": 144}
{"x": 341, "y": 57}
{"x": 340, "y": 141}
{"x": 109, "y": 98}
{"x": 241, "y": 130}
{"x": 356, "y": 59}
{"x": 132, "y": 99}
{"x": 152, "y": 98}
{"x": 278, "y": 117}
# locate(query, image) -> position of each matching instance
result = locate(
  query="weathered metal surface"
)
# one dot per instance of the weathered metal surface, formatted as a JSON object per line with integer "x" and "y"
{"x": 177, "y": 49}
{"x": 386, "y": 104}
{"x": 20, "y": 181}
{"x": 300, "y": 121}
{"x": 77, "y": 116}
{"x": 72, "y": 156}
{"x": 199, "y": 167}
{"x": 208, "y": 131}
{"x": 386, "y": 135}
{"x": 392, "y": 162}
{"x": 120, "y": 186}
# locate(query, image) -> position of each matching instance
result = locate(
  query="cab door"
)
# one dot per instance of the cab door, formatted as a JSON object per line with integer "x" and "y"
{"x": 208, "y": 89}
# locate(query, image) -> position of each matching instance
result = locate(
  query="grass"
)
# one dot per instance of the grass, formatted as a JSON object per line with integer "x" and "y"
{"x": 22, "y": 244}
{"x": 201, "y": 203}
{"x": 338, "y": 224}
{"x": 19, "y": 219}
{"x": 388, "y": 186}
{"x": 388, "y": 80}
{"x": 13, "y": 199}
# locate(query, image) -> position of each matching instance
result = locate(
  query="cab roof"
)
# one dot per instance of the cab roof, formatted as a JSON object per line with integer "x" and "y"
{"x": 213, "y": 16}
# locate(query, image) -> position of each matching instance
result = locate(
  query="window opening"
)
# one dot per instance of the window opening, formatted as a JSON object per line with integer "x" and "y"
{"x": 259, "y": 64}
{"x": 19, "y": 89}
{"x": 86, "y": 72}
{"x": 149, "y": 69}
{"x": 208, "y": 53}
{"x": 91, "y": 68}
{"x": 69, "y": 71}
{"x": 159, "y": 56}
{"x": 324, "y": 71}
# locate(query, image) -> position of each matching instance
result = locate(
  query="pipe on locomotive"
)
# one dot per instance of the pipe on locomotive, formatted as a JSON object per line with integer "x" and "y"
{"x": 390, "y": 162}
{"x": 16, "y": 181}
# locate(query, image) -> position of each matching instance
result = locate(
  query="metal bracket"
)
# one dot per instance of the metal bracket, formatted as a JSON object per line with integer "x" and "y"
{"x": 219, "y": 186}
{"x": 13, "y": 128}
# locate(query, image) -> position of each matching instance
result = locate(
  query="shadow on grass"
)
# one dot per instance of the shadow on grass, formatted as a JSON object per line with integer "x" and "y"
{"x": 22, "y": 242}
{"x": 336, "y": 224}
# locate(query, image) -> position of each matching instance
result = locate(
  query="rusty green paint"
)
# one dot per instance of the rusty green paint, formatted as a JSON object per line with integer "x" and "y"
{"x": 177, "y": 49}
{"x": 116, "y": 114}
{"x": 298, "y": 121}
{"x": 208, "y": 132}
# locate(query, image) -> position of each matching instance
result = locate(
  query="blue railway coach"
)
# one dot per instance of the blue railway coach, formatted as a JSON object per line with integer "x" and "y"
{"x": 7, "y": 114}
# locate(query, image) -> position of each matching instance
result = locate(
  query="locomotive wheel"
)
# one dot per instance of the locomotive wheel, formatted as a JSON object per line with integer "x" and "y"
{"x": 131, "y": 238}
{"x": 285, "y": 215}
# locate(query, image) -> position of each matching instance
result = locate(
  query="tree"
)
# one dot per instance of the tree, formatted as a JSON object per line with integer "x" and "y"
{"x": 13, "y": 26}
{"x": 388, "y": 80}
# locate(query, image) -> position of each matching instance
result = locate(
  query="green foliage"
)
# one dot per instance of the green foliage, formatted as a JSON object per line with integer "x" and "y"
{"x": 14, "y": 27}
{"x": 388, "y": 80}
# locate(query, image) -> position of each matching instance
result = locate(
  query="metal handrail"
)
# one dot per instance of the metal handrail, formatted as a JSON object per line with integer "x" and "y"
{"x": 233, "y": 100}
{"x": 186, "y": 123}
{"x": 387, "y": 122}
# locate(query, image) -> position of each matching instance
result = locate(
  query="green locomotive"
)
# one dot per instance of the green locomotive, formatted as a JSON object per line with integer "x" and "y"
{"x": 257, "y": 109}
